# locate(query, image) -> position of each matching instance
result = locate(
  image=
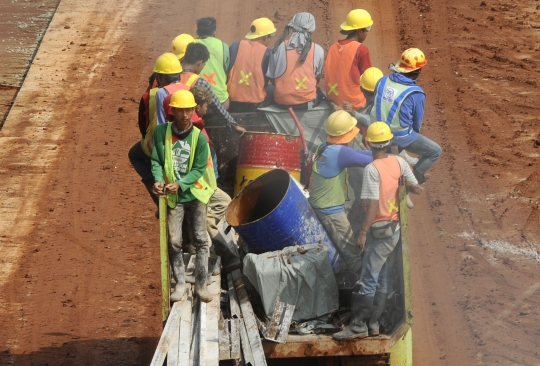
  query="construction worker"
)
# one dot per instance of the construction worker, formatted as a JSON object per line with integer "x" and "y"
{"x": 249, "y": 64}
{"x": 215, "y": 69}
{"x": 348, "y": 59}
{"x": 400, "y": 103}
{"x": 178, "y": 47}
{"x": 182, "y": 169}
{"x": 296, "y": 65}
{"x": 368, "y": 80}
{"x": 193, "y": 62}
{"x": 328, "y": 184}
{"x": 167, "y": 70}
{"x": 380, "y": 232}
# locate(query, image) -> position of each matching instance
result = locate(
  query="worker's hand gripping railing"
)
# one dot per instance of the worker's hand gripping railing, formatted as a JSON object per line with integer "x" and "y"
{"x": 164, "y": 259}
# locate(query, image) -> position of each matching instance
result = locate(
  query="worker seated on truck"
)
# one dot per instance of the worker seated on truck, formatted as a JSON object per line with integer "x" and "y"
{"x": 178, "y": 47}
{"x": 183, "y": 170}
{"x": 348, "y": 59}
{"x": 192, "y": 64}
{"x": 247, "y": 70}
{"x": 215, "y": 69}
{"x": 167, "y": 70}
{"x": 328, "y": 184}
{"x": 220, "y": 200}
{"x": 380, "y": 232}
{"x": 400, "y": 103}
{"x": 296, "y": 65}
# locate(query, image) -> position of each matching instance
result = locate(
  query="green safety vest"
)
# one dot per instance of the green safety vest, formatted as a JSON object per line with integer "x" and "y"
{"x": 214, "y": 71}
{"x": 327, "y": 192}
{"x": 205, "y": 186}
{"x": 389, "y": 97}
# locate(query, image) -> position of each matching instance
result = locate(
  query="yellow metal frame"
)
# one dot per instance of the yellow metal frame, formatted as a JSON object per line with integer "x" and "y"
{"x": 164, "y": 258}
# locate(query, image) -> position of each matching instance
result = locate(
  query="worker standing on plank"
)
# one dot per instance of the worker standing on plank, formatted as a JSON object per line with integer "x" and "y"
{"x": 348, "y": 59}
{"x": 380, "y": 232}
{"x": 167, "y": 70}
{"x": 400, "y": 103}
{"x": 215, "y": 69}
{"x": 178, "y": 47}
{"x": 194, "y": 60}
{"x": 183, "y": 170}
{"x": 220, "y": 200}
{"x": 328, "y": 184}
{"x": 296, "y": 65}
{"x": 249, "y": 64}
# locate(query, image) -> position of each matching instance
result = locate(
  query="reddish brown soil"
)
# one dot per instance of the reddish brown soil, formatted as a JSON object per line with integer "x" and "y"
{"x": 80, "y": 267}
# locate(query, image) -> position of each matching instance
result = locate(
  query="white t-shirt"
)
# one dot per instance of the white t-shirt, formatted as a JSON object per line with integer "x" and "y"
{"x": 371, "y": 180}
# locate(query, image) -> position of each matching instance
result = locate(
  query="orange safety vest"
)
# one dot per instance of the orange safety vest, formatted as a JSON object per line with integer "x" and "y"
{"x": 246, "y": 79}
{"x": 389, "y": 173}
{"x": 298, "y": 84}
{"x": 339, "y": 85}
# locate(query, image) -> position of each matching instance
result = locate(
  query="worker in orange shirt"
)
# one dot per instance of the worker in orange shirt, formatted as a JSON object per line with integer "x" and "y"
{"x": 248, "y": 66}
{"x": 351, "y": 55}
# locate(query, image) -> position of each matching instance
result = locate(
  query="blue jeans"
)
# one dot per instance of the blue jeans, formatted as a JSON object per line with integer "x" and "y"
{"x": 375, "y": 268}
{"x": 428, "y": 150}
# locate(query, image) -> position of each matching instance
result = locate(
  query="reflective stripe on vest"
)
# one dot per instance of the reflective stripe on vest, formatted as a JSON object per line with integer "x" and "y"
{"x": 297, "y": 85}
{"x": 327, "y": 192}
{"x": 339, "y": 85}
{"x": 214, "y": 71}
{"x": 205, "y": 186}
{"x": 389, "y": 97}
{"x": 152, "y": 118}
{"x": 389, "y": 173}
{"x": 246, "y": 79}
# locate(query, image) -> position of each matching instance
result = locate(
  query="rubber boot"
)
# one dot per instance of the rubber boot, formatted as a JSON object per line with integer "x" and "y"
{"x": 230, "y": 260}
{"x": 419, "y": 176}
{"x": 178, "y": 270}
{"x": 201, "y": 272}
{"x": 361, "y": 306}
{"x": 378, "y": 307}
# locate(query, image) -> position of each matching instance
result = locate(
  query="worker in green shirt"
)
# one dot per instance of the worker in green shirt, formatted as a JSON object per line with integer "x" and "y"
{"x": 182, "y": 168}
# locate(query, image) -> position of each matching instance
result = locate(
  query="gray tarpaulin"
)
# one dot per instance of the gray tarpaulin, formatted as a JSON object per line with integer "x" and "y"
{"x": 312, "y": 122}
{"x": 304, "y": 280}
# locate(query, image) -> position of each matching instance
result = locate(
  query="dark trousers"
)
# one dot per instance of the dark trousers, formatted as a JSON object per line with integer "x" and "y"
{"x": 143, "y": 166}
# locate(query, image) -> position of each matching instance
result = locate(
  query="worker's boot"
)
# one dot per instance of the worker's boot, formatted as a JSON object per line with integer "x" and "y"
{"x": 378, "y": 307}
{"x": 419, "y": 176}
{"x": 177, "y": 261}
{"x": 227, "y": 250}
{"x": 201, "y": 272}
{"x": 361, "y": 306}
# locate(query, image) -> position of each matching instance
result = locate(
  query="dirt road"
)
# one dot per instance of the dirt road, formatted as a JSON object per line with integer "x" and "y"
{"x": 80, "y": 267}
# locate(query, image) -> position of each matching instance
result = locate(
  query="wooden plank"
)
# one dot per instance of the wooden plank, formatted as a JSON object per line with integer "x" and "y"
{"x": 213, "y": 312}
{"x": 224, "y": 340}
{"x": 236, "y": 313}
{"x": 247, "y": 354}
{"x": 202, "y": 334}
{"x": 164, "y": 341}
{"x": 172, "y": 354}
{"x": 260, "y": 325}
{"x": 185, "y": 329}
{"x": 274, "y": 325}
{"x": 249, "y": 320}
{"x": 233, "y": 298}
{"x": 235, "y": 338}
{"x": 286, "y": 324}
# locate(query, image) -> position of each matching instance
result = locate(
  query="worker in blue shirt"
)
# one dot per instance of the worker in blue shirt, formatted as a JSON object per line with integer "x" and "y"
{"x": 400, "y": 103}
{"x": 328, "y": 186}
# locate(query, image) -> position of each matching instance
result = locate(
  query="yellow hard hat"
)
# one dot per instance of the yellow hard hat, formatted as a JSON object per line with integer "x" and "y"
{"x": 379, "y": 132}
{"x": 180, "y": 43}
{"x": 357, "y": 19}
{"x": 369, "y": 78}
{"x": 183, "y": 99}
{"x": 341, "y": 127}
{"x": 411, "y": 59}
{"x": 261, "y": 27}
{"x": 167, "y": 64}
